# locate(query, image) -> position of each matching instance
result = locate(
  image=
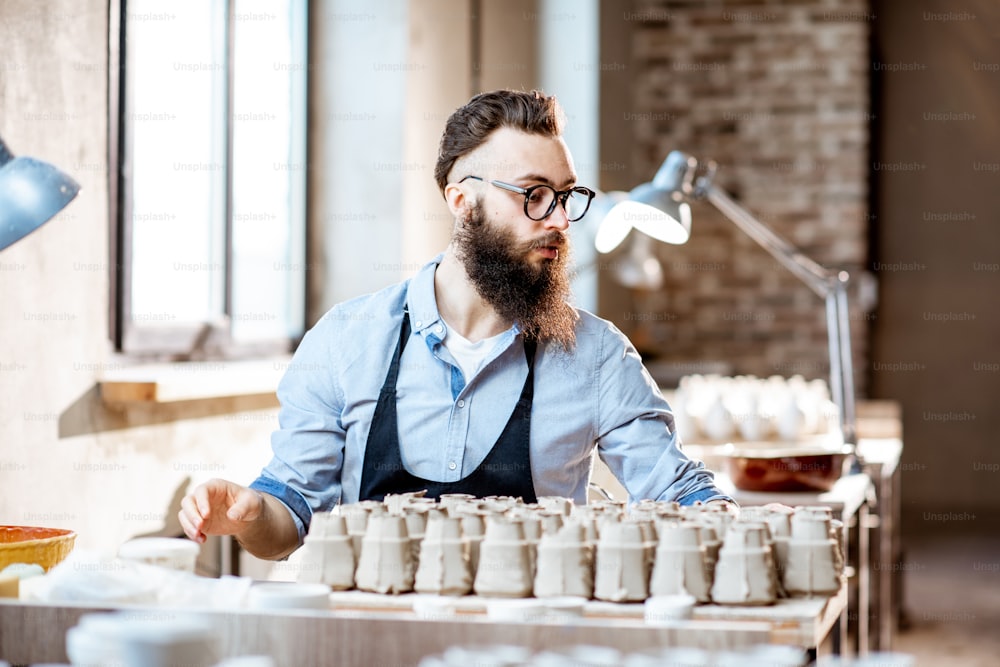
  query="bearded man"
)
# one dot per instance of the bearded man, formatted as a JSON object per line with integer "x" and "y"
{"x": 476, "y": 375}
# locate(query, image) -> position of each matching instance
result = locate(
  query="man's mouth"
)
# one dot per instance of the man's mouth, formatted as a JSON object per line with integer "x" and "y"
{"x": 550, "y": 246}
{"x": 548, "y": 251}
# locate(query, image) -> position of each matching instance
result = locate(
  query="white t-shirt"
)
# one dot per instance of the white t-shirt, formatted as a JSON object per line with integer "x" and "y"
{"x": 469, "y": 355}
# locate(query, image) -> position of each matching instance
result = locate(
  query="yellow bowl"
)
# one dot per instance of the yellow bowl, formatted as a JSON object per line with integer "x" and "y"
{"x": 30, "y": 544}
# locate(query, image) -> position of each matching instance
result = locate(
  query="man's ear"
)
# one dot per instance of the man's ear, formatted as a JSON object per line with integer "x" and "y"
{"x": 456, "y": 199}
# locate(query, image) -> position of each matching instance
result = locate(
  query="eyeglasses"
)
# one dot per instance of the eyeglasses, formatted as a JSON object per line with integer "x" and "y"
{"x": 540, "y": 200}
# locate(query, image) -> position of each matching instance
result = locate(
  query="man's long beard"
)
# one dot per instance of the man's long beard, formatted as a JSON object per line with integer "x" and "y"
{"x": 533, "y": 296}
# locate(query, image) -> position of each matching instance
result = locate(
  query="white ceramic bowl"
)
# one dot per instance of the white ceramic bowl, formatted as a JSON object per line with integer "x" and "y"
{"x": 89, "y": 649}
{"x": 166, "y": 643}
{"x": 280, "y": 595}
{"x": 667, "y": 608}
{"x": 564, "y": 607}
{"x": 155, "y": 638}
{"x": 518, "y": 610}
{"x": 434, "y": 607}
{"x": 169, "y": 552}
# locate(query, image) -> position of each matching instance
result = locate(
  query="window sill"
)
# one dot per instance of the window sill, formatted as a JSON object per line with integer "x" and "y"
{"x": 192, "y": 381}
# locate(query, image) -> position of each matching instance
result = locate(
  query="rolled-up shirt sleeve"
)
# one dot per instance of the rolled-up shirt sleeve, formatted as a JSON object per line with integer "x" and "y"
{"x": 636, "y": 436}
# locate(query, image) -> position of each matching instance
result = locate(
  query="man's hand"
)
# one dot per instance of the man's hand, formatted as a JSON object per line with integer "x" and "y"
{"x": 218, "y": 507}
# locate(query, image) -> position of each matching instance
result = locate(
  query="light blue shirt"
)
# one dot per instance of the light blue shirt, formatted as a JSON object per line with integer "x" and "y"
{"x": 595, "y": 395}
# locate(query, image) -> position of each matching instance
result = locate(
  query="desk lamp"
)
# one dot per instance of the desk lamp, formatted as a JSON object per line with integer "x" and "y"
{"x": 660, "y": 209}
{"x": 31, "y": 192}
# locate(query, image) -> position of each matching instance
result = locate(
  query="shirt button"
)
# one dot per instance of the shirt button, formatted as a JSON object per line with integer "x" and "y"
{"x": 461, "y": 403}
{"x": 438, "y": 329}
{"x": 418, "y": 324}
{"x": 452, "y": 465}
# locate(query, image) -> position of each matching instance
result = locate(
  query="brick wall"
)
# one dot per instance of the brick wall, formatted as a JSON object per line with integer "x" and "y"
{"x": 777, "y": 93}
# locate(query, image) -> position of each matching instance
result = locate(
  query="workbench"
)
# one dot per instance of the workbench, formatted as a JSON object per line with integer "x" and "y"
{"x": 351, "y": 635}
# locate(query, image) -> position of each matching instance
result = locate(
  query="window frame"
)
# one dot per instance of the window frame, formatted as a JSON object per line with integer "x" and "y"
{"x": 211, "y": 339}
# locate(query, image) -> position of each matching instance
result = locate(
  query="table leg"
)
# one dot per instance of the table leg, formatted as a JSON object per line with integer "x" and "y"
{"x": 864, "y": 597}
{"x": 843, "y": 645}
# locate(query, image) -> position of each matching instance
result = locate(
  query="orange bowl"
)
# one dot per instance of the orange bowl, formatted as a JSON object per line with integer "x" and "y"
{"x": 30, "y": 544}
{"x": 772, "y": 468}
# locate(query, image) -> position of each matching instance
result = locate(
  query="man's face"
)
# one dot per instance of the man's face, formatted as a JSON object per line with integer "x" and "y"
{"x": 499, "y": 262}
{"x": 523, "y": 160}
{"x": 517, "y": 264}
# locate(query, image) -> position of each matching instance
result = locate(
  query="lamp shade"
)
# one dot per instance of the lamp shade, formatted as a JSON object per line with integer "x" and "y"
{"x": 31, "y": 192}
{"x": 652, "y": 212}
{"x": 657, "y": 209}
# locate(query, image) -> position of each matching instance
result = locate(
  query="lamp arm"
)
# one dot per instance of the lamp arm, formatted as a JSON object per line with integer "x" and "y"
{"x": 848, "y": 416}
{"x": 812, "y": 274}
{"x": 830, "y": 286}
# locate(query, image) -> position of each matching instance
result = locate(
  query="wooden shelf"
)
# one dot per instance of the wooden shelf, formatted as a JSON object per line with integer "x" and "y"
{"x": 192, "y": 380}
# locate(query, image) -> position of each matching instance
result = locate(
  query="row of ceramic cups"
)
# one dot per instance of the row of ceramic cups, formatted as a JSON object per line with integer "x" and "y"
{"x": 719, "y": 409}
{"x": 592, "y": 552}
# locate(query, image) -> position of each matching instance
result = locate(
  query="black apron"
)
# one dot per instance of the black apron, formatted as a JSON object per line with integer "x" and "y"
{"x": 506, "y": 470}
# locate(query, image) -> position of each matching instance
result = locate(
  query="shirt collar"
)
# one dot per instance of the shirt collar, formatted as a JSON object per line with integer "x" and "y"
{"x": 420, "y": 298}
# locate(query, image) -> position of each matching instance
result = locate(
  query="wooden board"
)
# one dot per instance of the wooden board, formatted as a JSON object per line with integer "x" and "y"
{"x": 796, "y": 622}
{"x": 31, "y": 633}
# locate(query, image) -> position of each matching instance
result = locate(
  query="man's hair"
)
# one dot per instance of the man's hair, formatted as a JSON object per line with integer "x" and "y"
{"x": 471, "y": 125}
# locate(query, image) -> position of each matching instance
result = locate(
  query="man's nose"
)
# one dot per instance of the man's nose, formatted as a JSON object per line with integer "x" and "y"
{"x": 559, "y": 219}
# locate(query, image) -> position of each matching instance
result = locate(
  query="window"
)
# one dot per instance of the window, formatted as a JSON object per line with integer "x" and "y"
{"x": 211, "y": 182}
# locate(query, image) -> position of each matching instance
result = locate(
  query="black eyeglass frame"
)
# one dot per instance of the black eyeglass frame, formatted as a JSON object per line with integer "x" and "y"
{"x": 561, "y": 196}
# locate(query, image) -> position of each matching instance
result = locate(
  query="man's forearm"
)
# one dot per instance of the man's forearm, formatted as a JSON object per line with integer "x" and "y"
{"x": 274, "y": 534}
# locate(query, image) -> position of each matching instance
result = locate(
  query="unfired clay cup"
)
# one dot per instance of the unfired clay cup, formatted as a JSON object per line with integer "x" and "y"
{"x": 444, "y": 561}
{"x": 679, "y": 566}
{"x": 811, "y": 569}
{"x": 386, "y": 563}
{"x": 621, "y": 567}
{"x": 814, "y": 562}
{"x": 565, "y": 563}
{"x": 505, "y": 568}
{"x": 328, "y": 553}
{"x": 744, "y": 573}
